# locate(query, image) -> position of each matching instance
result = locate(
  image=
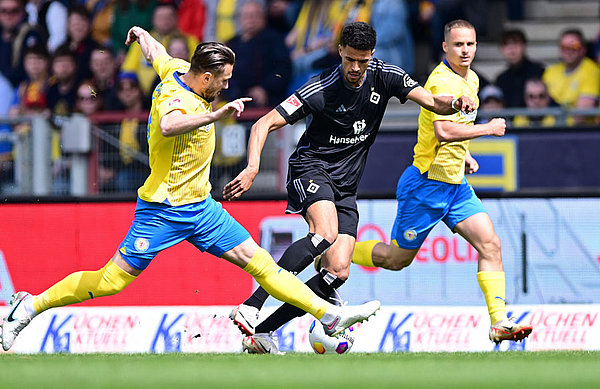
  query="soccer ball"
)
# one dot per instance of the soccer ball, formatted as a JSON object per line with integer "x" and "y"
{"x": 323, "y": 343}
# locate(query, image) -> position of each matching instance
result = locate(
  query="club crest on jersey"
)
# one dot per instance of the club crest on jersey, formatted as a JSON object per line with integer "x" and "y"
{"x": 359, "y": 126}
{"x": 408, "y": 82}
{"x": 141, "y": 244}
{"x": 375, "y": 98}
{"x": 291, "y": 104}
{"x": 410, "y": 235}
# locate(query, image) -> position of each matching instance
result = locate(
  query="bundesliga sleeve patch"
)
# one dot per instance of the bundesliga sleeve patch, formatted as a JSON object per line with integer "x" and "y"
{"x": 175, "y": 103}
{"x": 291, "y": 104}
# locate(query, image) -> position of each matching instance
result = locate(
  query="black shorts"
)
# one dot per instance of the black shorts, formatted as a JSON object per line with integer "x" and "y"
{"x": 309, "y": 188}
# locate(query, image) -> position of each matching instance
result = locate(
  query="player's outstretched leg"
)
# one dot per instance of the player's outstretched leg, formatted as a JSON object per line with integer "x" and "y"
{"x": 18, "y": 318}
{"x": 295, "y": 259}
{"x": 74, "y": 288}
{"x": 282, "y": 285}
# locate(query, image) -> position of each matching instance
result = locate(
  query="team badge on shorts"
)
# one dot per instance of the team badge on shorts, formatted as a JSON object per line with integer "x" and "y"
{"x": 410, "y": 235}
{"x": 141, "y": 244}
{"x": 312, "y": 187}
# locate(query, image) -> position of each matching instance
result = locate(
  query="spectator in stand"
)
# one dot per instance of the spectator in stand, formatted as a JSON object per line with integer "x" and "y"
{"x": 536, "y": 97}
{"x": 51, "y": 18}
{"x": 575, "y": 81}
{"x": 220, "y": 24}
{"x": 104, "y": 75}
{"x": 101, "y": 18}
{"x": 80, "y": 40}
{"x": 490, "y": 99}
{"x": 62, "y": 95}
{"x": 394, "y": 39}
{"x": 315, "y": 35}
{"x": 31, "y": 96}
{"x": 281, "y": 14}
{"x": 127, "y": 13}
{"x": 164, "y": 27}
{"x": 513, "y": 45}
{"x": 62, "y": 89}
{"x": 124, "y": 168}
{"x": 16, "y": 35}
{"x": 6, "y": 157}
{"x": 88, "y": 102}
{"x": 191, "y": 16}
{"x": 263, "y": 64}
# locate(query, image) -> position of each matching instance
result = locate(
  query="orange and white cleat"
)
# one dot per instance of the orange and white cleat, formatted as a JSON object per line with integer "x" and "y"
{"x": 508, "y": 329}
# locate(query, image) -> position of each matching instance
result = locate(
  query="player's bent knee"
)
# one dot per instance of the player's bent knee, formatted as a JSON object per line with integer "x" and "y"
{"x": 112, "y": 280}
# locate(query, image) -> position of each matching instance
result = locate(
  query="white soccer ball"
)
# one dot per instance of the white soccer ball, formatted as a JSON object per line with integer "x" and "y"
{"x": 325, "y": 344}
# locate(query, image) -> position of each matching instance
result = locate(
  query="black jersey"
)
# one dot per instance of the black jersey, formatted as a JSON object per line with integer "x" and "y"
{"x": 341, "y": 121}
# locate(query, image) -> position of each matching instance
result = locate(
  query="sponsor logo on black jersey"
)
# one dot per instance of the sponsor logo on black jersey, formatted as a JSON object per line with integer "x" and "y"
{"x": 359, "y": 126}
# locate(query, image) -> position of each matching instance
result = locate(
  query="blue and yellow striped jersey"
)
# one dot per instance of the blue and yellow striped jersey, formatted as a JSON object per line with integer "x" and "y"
{"x": 180, "y": 165}
{"x": 445, "y": 161}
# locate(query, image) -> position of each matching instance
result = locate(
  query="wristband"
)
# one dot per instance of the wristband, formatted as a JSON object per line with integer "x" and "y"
{"x": 452, "y": 104}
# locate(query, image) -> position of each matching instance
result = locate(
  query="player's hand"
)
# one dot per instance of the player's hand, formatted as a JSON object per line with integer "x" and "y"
{"x": 239, "y": 185}
{"x": 497, "y": 126}
{"x": 236, "y": 105}
{"x": 464, "y": 104}
{"x": 133, "y": 34}
{"x": 471, "y": 164}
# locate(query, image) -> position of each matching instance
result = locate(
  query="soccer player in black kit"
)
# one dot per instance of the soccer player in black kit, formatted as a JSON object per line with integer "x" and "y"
{"x": 343, "y": 107}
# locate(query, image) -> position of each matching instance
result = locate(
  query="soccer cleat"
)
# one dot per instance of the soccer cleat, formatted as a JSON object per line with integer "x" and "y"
{"x": 16, "y": 320}
{"x": 508, "y": 329}
{"x": 349, "y": 315}
{"x": 261, "y": 344}
{"x": 245, "y": 317}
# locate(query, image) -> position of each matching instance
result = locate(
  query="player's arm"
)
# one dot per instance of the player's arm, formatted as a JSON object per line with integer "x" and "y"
{"x": 177, "y": 122}
{"x": 258, "y": 136}
{"x": 442, "y": 105}
{"x": 449, "y": 131}
{"x": 151, "y": 48}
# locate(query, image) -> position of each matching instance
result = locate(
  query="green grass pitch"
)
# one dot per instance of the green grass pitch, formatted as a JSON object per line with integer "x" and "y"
{"x": 518, "y": 370}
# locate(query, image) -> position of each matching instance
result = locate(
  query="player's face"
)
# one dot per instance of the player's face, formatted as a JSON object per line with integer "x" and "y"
{"x": 354, "y": 63}
{"x": 460, "y": 46}
{"x": 218, "y": 82}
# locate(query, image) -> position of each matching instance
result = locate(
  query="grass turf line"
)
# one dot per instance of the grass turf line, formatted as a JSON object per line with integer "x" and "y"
{"x": 555, "y": 369}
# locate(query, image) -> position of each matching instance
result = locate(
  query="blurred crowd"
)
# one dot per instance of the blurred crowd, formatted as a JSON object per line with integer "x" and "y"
{"x": 59, "y": 57}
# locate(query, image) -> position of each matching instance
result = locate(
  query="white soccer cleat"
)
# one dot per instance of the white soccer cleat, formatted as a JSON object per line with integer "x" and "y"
{"x": 245, "y": 317}
{"x": 16, "y": 320}
{"x": 507, "y": 329}
{"x": 349, "y": 315}
{"x": 261, "y": 344}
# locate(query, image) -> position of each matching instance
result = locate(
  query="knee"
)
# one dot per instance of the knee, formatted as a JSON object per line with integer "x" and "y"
{"x": 491, "y": 248}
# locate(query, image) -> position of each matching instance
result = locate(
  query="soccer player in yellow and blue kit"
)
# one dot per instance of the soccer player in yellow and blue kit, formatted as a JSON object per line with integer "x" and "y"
{"x": 434, "y": 187}
{"x": 174, "y": 204}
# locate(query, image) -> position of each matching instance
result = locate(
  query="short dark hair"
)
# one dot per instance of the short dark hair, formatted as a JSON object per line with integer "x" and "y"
{"x": 513, "y": 35}
{"x": 64, "y": 51}
{"x": 80, "y": 10}
{"x": 359, "y": 36}
{"x": 458, "y": 23}
{"x": 574, "y": 31}
{"x": 211, "y": 57}
{"x": 105, "y": 49}
{"x": 37, "y": 49}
